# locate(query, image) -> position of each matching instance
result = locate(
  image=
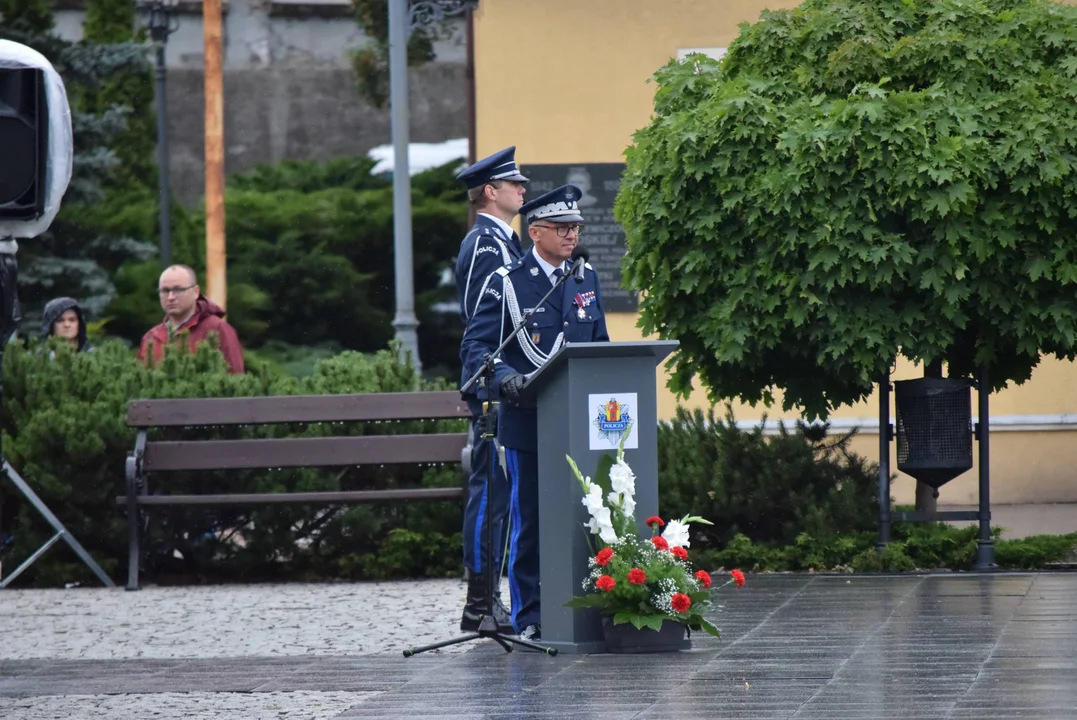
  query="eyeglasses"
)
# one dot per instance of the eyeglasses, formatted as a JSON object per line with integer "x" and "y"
{"x": 563, "y": 230}
{"x": 166, "y": 291}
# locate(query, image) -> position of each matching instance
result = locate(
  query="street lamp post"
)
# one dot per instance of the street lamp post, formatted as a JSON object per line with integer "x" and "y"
{"x": 404, "y": 19}
{"x": 161, "y": 23}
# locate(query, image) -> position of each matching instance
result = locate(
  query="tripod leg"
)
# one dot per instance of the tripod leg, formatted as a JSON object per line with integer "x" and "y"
{"x": 61, "y": 531}
{"x": 532, "y": 646}
{"x": 502, "y": 641}
{"x": 30, "y": 560}
{"x": 444, "y": 643}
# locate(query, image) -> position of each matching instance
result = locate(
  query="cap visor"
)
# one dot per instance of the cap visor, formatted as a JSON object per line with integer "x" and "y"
{"x": 515, "y": 178}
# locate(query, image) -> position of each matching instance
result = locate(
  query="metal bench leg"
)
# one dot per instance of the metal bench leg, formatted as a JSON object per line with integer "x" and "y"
{"x": 134, "y": 520}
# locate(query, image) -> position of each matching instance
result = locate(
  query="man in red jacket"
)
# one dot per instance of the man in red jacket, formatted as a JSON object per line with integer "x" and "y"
{"x": 189, "y": 314}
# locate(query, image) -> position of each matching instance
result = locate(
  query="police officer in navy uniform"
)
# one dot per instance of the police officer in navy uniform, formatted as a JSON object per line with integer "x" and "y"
{"x": 573, "y": 313}
{"x": 495, "y": 188}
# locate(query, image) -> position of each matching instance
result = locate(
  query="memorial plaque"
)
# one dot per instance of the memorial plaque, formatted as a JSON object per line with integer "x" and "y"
{"x": 602, "y": 235}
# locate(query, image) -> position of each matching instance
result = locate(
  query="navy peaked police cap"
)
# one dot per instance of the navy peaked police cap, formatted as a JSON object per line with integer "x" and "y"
{"x": 560, "y": 205}
{"x": 499, "y": 166}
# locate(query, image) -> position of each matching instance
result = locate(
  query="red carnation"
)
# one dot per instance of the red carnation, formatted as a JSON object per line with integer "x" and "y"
{"x": 660, "y": 542}
{"x": 637, "y": 576}
{"x": 679, "y": 552}
{"x": 655, "y": 521}
{"x": 704, "y": 578}
{"x": 605, "y": 583}
{"x": 680, "y": 602}
{"x": 738, "y": 577}
{"x": 604, "y": 556}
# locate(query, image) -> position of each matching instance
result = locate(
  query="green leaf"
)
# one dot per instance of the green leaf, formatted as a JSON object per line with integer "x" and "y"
{"x": 602, "y": 473}
{"x": 1039, "y": 267}
{"x": 653, "y": 621}
{"x": 709, "y": 628}
{"x": 590, "y": 600}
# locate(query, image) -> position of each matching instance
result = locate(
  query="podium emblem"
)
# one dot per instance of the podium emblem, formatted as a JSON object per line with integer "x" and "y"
{"x": 613, "y": 419}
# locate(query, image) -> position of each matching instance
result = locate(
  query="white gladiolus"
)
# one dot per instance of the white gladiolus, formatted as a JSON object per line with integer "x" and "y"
{"x": 601, "y": 523}
{"x": 676, "y": 534}
{"x": 593, "y": 499}
{"x": 607, "y": 534}
{"x": 622, "y": 479}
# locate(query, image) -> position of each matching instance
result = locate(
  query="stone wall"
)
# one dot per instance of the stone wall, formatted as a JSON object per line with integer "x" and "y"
{"x": 301, "y": 113}
{"x": 288, "y": 85}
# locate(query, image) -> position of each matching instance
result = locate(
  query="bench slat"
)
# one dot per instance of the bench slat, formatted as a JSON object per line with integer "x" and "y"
{"x": 304, "y": 452}
{"x": 362, "y": 407}
{"x": 329, "y": 498}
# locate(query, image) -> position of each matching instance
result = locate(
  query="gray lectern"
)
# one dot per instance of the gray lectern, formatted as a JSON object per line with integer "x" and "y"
{"x": 586, "y": 395}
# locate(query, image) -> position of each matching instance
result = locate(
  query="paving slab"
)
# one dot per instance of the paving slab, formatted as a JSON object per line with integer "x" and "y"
{"x": 960, "y": 646}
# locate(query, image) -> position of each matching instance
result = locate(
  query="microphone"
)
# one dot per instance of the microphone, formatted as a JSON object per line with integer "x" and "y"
{"x": 579, "y": 258}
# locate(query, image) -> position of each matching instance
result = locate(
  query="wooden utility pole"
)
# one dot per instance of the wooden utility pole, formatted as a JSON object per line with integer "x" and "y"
{"x": 216, "y": 266}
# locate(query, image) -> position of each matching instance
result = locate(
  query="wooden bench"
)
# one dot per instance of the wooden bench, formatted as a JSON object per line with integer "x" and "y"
{"x": 302, "y": 452}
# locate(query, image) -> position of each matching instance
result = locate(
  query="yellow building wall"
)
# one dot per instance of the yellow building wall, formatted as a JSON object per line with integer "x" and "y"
{"x": 567, "y": 82}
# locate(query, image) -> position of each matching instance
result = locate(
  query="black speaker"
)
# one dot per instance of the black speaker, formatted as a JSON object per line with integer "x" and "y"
{"x": 24, "y": 143}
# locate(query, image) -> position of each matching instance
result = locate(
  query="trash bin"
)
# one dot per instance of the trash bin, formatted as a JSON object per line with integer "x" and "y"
{"x": 934, "y": 428}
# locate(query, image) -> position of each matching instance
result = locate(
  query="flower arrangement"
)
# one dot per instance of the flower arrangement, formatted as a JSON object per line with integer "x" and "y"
{"x": 643, "y": 581}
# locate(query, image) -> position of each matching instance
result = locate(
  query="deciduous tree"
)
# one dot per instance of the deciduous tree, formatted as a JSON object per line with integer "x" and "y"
{"x": 858, "y": 179}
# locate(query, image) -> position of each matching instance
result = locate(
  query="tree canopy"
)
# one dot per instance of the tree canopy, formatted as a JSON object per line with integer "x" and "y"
{"x": 858, "y": 179}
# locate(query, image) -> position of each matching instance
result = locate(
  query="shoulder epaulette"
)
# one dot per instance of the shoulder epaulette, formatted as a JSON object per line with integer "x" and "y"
{"x": 588, "y": 266}
{"x": 502, "y": 271}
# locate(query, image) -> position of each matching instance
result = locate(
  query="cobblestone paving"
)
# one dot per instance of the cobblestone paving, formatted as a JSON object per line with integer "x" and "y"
{"x": 189, "y": 706}
{"x": 229, "y": 621}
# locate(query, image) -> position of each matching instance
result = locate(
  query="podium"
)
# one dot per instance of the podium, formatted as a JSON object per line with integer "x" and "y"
{"x": 586, "y": 394}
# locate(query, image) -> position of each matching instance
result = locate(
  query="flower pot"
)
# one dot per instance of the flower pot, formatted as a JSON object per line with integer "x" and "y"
{"x": 626, "y": 638}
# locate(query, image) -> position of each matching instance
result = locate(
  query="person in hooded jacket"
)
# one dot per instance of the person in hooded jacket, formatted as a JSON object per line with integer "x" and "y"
{"x": 190, "y": 315}
{"x": 63, "y": 317}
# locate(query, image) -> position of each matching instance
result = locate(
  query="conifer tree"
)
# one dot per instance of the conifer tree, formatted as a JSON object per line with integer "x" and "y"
{"x": 76, "y": 257}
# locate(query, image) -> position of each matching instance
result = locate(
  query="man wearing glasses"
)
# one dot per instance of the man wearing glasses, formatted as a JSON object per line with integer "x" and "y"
{"x": 189, "y": 316}
{"x": 571, "y": 314}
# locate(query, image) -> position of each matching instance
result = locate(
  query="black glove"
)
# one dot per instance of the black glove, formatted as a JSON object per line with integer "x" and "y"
{"x": 510, "y": 387}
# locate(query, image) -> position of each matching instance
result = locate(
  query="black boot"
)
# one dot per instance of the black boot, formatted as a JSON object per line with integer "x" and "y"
{"x": 475, "y": 607}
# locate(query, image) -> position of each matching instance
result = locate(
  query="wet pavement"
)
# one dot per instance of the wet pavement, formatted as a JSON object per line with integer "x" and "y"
{"x": 793, "y": 646}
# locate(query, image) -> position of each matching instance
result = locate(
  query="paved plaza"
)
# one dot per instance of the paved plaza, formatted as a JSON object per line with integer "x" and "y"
{"x": 956, "y": 646}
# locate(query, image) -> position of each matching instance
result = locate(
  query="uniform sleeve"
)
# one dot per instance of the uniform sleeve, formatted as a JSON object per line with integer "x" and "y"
{"x": 484, "y": 331}
{"x": 487, "y": 255}
{"x": 601, "y": 334}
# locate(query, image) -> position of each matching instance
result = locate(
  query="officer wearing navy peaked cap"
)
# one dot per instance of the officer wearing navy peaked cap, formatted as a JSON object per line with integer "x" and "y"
{"x": 495, "y": 187}
{"x": 572, "y": 314}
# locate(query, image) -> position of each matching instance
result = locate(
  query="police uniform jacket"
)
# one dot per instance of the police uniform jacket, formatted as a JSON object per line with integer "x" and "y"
{"x": 573, "y": 313}
{"x": 485, "y": 248}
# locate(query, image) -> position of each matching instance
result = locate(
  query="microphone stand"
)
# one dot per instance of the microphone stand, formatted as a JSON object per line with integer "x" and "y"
{"x": 488, "y": 427}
